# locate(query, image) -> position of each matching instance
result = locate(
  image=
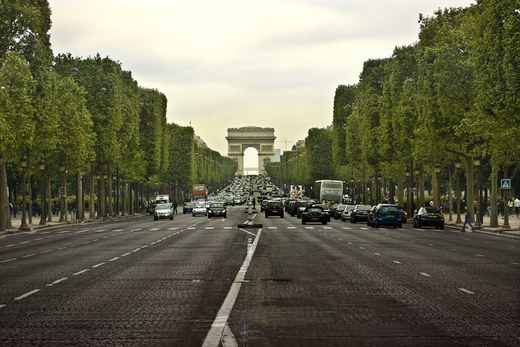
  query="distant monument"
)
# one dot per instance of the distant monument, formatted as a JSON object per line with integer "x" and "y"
{"x": 240, "y": 139}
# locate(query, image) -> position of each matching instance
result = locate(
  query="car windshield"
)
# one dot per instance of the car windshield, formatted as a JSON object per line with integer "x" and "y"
{"x": 363, "y": 207}
{"x": 162, "y": 206}
{"x": 190, "y": 204}
{"x": 432, "y": 210}
{"x": 275, "y": 204}
{"x": 389, "y": 209}
{"x": 217, "y": 205}
{"x": 349, "y": 207}
{"x": 314, "y": 209}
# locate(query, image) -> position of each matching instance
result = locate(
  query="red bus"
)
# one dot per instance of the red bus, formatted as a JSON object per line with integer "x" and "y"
{"x": 198, "y": 191}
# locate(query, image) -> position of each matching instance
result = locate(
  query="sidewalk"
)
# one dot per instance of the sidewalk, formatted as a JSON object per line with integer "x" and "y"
{"x": 514, "y": 223}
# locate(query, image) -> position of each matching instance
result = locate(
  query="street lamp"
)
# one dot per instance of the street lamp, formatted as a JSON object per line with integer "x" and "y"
{"x": 104, "y": 194}
{"x": 42, "y": 207}
{"x": 476, "y": 163}
{"x": 408, "y": 202}
{"x": 123, "y": 186}
{"x": 416, "y": 172}
{"x": 23, "y": 165}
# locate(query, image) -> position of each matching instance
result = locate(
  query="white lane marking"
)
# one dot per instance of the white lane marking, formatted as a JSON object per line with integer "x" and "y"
{"x": 124, "y": 255}
{"x": 39, "y": 239}
{"x": 291, "y": 227}
{"x": 377, "y": 253}
{"x": 220, "y": 322}
{"x": 29, "y": 255}
{"x": 154, "y": 229}
{"x": 173, "y": 228}
{"x": 7, "y": 260}
{"x": 24, "y": 242}
{"x": 210, "y": 228}
{"x": 431, "y": 244}
{"x": 80, "y": 272}
{"x": 47, "y": 251}
{"x": 425, "y": 274}
{"x": 2, "y": 305}
{"x": 98, "y": 265}
{"x": 361, "y": 247}
{"x": 248, "y": 232}
{"x": 136, "y": 250}
{"x": 115, "y": 230}
{"x": 362, "y": 228}
{"x": 191, "y": 228}
{"x": 273, "y": 227}
{"x": 397, "y": 262}
{"x": 349, "y": 243}
{"x": 227, "y": 228}
{"x": 27, "y": 294}
{"x": 512, "y": 262}
{"x": 327, "y": 228}
{"x": 480, "y": 255}
{"x": 57, "y": 281}
{"x": 113, "y": 259}
{"x": 10, "y": 245}
{"x": 310, "y": 228}
{"x": 346, "y": 228}
{"x": 466, "y": 291}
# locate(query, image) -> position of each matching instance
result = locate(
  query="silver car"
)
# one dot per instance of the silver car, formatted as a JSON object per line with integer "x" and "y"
{"x": 199, "y": 209}
{"x": 163, "y": 211}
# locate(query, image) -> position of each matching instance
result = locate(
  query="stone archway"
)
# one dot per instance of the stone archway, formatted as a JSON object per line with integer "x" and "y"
{"x": 262, "y": 139}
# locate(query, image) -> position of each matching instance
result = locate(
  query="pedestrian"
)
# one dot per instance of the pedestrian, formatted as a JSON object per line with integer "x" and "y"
{"x": 467, "y": 220}
{"x": 517, "y": 206}
{"x": 175, "y": 206}
{"x": 510, "y": 207}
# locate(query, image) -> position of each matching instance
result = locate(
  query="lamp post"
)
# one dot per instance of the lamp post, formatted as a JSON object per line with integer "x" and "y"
{"x": 4, "y": 208}
{"x": 123, "y": 195}
{"x": 437, "y": 186}
{"x": 104, "y": 195}
{"x": 476, "y": 164}
{"x": 457, "y": 190}
{"x": 352, "y": 187}
{"x": 43, "y": 198}
{"x": 23, "y": 165}
{"x": 97, "y": 205}
{"x": 416, "y": 172}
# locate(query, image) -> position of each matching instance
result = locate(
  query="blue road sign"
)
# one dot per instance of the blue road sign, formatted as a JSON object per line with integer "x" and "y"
{"x": 505, "y": 183}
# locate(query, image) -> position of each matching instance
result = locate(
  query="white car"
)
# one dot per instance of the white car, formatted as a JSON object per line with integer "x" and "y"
{"x": 199, "y": 210}
{"x": 347, "y": 212}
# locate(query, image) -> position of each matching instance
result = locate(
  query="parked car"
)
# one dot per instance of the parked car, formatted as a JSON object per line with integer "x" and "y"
{"x": 217, "y": 209}
{"x": 429, "y": 216}
{"x": 199, "y": 209}
{"x": 360, "y": 213}
{"x": 325, "y": 209}
{"x": 163, "y": 211}
{"x": 347, "y": 212}
{"x": 188, "y": 207}
{"x": 387, "y": 214}
{"x": 314, "y": 214}
{"x": 338, "y": 210}
{"x": 273, "y": 208}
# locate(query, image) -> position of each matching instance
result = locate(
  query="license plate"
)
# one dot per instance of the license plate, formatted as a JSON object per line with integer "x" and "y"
{"x": 315, "y": 218}
{"x": 390, "y": 216}
{"x": 433, "y": 216}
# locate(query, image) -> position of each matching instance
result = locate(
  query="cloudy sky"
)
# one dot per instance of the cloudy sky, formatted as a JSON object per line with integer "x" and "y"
{"x": 233, "y": 63}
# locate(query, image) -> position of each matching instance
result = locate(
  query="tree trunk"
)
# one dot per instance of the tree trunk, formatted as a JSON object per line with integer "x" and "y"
{"x": 92, "y": 202}
{"x": 493, "y": 215}
{"x": 5, "y": 216}
{"x": 470, "y": 190}
{"x": 109, "y": 190}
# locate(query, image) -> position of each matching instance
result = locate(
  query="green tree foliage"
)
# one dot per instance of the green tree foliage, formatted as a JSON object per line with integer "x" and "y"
{"x": 344, "y": 104}
{"x": 318, "y": 146}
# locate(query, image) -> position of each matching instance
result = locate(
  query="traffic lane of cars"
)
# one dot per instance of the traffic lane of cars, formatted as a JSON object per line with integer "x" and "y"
{"x": 80, "y": 273}
{"x": 429, "y": 272}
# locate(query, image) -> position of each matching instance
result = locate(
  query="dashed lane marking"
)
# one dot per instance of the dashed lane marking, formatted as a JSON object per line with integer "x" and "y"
{"x": 377, "y": 253}
{"x": 291, "y": 227}
{"x": 228, "y": 228}
{"x": 512, "y": 262}
{"x": 57, "y": 281}
{"x": 309, "y": 228}
{"x": 29, "y": 255}
{"x": 7, "y": 260}
{"x": 425, "y": 274}
{"x": 273, "y": 228}
{"x": 397, "y": 262}
{"x": 98, "y": 265}
{"x": 210, "y": 228}
{"x": 23, "y": 296}
{"x": 464, "y": 290}
{"x": 2, "y": 305}
{"x": 80, "y": 272}
{"x": 480, "y": 255}
{"x": 114, "y": 259}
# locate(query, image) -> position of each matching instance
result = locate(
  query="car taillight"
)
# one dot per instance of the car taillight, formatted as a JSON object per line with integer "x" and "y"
{"x": 379, "y": 215}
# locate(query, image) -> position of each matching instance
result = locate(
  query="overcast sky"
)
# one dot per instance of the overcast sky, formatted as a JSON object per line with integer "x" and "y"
{"x": 233, "y": 63}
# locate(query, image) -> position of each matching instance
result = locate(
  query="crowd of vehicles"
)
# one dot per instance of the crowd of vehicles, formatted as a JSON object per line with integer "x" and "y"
{"x": 328, "y": 204}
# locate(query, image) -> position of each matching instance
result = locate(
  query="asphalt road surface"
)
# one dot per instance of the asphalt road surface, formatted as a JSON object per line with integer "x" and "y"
{"x": 140, "y": 282}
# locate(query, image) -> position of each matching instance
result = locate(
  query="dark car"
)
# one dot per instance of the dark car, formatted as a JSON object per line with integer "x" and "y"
{"x": 387, "y": 214}
{"x": 163, "y": 211}
{"x": 314, "y": 214}
{"x": 302, "y": 206}
{"x": 429, "y": 216}
{"x": 273, "y": 208}
{"x": 325, "y": 209}
{"x": 263, "y": 204}
{"x": 188, "y": 207}
{"x": 217, "y": 209}
{"x": 360, "y": 213}
{"x": 371, "y": 215}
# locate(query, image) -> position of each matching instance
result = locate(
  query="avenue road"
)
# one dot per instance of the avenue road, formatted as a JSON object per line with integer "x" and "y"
{"x": 142, "y": 282}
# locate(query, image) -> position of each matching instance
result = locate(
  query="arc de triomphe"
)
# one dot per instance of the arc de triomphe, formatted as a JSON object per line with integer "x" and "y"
{"x": 240, "y": 139}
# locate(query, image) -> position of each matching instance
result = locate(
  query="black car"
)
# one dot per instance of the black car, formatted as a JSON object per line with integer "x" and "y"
{"x": 338, "y": 210}
{"x": 403, "y": 214}
{"x": 273, "y": 208}
{"x": 325, "y": 209}
{"x": 360, "y": 213}
{"x": 217, "y": 209}
{"x": 302, "y": 206}
{"x": 314, "y": 214}
{"x": 429, "y": 216}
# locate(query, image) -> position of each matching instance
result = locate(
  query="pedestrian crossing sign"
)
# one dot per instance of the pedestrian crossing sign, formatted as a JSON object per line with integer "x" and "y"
{"x": 505, "y": 183}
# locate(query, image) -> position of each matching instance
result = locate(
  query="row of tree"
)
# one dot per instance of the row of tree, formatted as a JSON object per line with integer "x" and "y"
{"x": 85, "y": 114}
{"x": 455, "y": 94}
